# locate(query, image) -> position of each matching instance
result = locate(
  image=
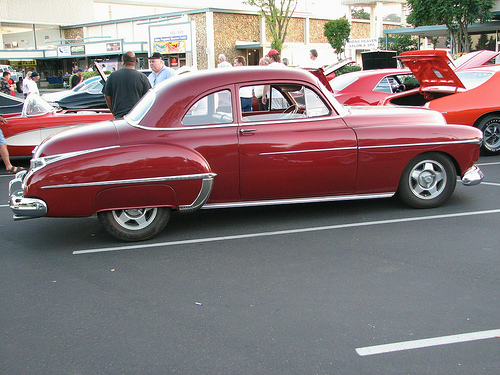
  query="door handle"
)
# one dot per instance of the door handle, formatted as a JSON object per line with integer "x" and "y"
{"x": 246, "y": 131}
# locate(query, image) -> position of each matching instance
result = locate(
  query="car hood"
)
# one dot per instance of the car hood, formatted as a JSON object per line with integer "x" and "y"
{"x": 431, "y": 68}
{"x": 328, "y": 73}
{"x": 474, "y": 59}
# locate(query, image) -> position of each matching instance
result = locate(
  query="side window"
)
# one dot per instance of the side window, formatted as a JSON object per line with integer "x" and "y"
{"x": 212, "y": 109}
{"x": 383, "y": 86}
{"x": 284, "y": 102}
{"x": 315, "y": 107}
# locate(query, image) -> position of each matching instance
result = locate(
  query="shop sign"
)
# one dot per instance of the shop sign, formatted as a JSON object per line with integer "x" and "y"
{"x": 22, "y": 62}
{"x": 367, "y": 43}
{"x": 63, "y": 51}
{"x": 168, "y": 39}
{"x": 77, "y": 50}
{"x": 114, "y": 47}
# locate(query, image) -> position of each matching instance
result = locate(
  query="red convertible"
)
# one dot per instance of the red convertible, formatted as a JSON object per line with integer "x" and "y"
{"x": 187, "y": 145}
{"x": 464, "y": 96}
{"x": 24, "y": 131}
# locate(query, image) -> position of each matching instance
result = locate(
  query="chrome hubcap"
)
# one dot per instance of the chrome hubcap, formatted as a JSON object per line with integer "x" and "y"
{"x": 427, "y": 179}
{"x": 492, "y": 135}
{"x": 136, "y": 218}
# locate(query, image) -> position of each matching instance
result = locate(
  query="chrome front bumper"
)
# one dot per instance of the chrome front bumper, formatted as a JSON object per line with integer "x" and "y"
{"x": 24, "y": 208}
{"x": 473, "y": 176}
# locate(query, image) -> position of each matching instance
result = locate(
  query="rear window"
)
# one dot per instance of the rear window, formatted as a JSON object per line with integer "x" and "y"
{"x": 473, "y": 79}
{"x": 341, "y": 82}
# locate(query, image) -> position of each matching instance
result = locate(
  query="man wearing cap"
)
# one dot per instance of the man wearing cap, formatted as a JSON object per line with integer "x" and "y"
{"x": 160, "y": 71}
{"x": 125, "y": 87}
{"x": 76, "y": 78}
{"x": 32, "y": 84}
{"x": 275, "y": 59}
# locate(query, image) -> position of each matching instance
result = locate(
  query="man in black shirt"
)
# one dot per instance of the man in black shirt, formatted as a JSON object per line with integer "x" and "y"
{"x": 125, "y": 87}
{"x": 76, "y": 78}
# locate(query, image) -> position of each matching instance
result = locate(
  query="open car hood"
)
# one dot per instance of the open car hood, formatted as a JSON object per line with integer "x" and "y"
{"x": 432, "y": 68}
{"x": 328, "y": 73}
{"x": 474, "y": 59}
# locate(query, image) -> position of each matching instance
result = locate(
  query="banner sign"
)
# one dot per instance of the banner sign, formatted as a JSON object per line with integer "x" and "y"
{"x": 168, "y": 39}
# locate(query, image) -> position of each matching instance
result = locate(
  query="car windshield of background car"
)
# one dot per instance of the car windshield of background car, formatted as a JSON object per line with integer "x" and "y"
{"x": 95, "y": 87}
{"x": 34, "y": 105}
{"x": 341, "y": 82}
{"x": 473, "y": 79}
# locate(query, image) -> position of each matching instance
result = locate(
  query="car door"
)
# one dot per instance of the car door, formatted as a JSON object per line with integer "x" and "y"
{"x": 299, "y": 147}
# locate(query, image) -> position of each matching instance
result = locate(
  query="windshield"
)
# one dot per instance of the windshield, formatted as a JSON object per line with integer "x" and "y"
{"x": 341, "y": 82}
{"x": 473, "y": 79}
{"x": 34, "y": 105}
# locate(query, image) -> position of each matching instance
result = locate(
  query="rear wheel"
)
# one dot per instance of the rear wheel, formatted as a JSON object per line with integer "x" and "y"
{"x": 135, "y": 224}
{"x": 490, "y": 126}
{"x": 427, "y": 181}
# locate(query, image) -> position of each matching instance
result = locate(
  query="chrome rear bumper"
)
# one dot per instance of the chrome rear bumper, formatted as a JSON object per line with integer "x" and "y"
{"x": 24, "y": 208}
{"x": 473, "y": 176}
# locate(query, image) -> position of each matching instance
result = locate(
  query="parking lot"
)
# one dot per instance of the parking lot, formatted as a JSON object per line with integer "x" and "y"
{"x": 364, "y": 287}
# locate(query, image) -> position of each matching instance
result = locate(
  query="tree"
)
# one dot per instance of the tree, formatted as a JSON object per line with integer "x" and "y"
{"x": 403, "y": 43}
{"x": 360, "y": 14}
{"x": 277, "y": 14}
{"x": 337, "y": 32}
{"x": 457, "y": 15}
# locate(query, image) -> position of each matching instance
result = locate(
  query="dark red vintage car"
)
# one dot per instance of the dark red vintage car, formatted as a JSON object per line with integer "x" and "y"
{"x": 187, "y": 145}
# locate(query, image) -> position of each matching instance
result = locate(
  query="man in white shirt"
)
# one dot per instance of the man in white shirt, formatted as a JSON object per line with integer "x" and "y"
{"x": 31, "y": 84}
{"x": 223, "y": 63}
{"x": 160, "y": 72}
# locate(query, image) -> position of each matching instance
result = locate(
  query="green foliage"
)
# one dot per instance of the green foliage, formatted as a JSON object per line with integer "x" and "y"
{"x": 348, "y": 69}
{"x": 457, "y": 15}
{"x": 485, "y": 43}
{"x": 360, "y": 14}
{"x": 403, "y": 43}
{"x": 337, "y": 32}
{"x": 277, "y": 14}
{"x": 55, "y": 86}
{"x": 89, "y": 74}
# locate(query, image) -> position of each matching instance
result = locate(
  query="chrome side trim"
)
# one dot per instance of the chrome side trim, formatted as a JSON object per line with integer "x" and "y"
{"x": 38, "y": 163}
{"x": 473, "y": 141}
{"x": 304, "y": 151}
{"x": 297, "y": 200}
{"x": 136, "y": 181}
{"x": 187, "y": 127}
{"x": 206, "y": 189}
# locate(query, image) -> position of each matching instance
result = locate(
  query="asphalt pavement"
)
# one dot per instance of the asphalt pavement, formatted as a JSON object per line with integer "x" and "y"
{"x": 366, "y": 287}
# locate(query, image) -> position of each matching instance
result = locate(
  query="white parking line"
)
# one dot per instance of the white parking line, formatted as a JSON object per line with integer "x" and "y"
{"x": 284, "y": 232}
{"x": 416, "y": 344}
{"x": 491, "y": 163}
{"x": 490, "y": 183}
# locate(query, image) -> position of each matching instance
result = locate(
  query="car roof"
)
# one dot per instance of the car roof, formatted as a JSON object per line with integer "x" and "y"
{"x": 182, "y": 90}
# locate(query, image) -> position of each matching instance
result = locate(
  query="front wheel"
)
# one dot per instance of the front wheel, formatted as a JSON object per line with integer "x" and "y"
{"x": 427, "y": 181}
{"x": 490, "y": 126}
{"x": 136, "y": 224}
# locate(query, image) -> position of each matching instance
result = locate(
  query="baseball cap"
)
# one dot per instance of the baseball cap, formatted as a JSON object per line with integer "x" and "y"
{"x": 156, "y": 55}
{"x": 34, "y": 74}
{"x": 272, "y": 52}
